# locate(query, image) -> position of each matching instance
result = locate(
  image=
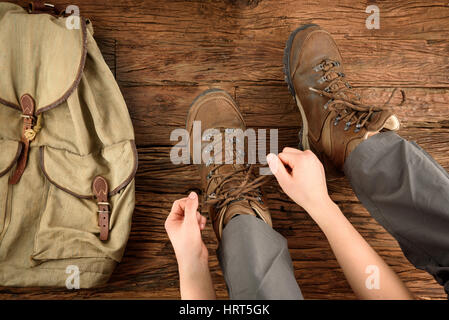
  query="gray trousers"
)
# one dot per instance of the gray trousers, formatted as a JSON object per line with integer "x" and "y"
{"x": 255, "y": 261}
{"x": 402, "y": 187}
{"x": 407, "y": 192}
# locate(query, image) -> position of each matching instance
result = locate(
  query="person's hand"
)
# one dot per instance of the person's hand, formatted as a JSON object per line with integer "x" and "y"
{"x": 184, "y": 225}
{"x": 301, "y": 175}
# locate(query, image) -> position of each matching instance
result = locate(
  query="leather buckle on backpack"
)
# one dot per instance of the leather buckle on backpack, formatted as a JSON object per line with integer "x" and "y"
{"x": 28, "y": 107}
{"x": 44, "y": 7}
{"x": 100, "y": 189}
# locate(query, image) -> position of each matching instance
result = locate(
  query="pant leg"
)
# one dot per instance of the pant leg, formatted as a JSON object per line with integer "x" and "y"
{"x": 255, "y": 261}
{"x": 407, "y": 192}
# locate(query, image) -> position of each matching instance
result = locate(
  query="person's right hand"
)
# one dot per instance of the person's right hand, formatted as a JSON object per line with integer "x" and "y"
{"x": 301, "y": 175}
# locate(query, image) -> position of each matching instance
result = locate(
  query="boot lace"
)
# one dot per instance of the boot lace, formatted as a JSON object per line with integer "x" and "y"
{"x": 342, "y": 97}
{"x": 237, "y": 185}
{"x": 225, "y": 192}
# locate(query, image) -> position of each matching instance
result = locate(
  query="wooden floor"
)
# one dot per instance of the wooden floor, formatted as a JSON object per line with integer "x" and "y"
{"x": 164, "y": 53}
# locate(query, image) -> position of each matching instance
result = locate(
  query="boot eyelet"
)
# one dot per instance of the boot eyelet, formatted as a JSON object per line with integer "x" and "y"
{"x": 337, "y": 119}
{"x": 347, "y": 125}
{"x": 322, "y": 79}
{"x": 212, "y": 196}
{"x": 327, "y": 104}
{"x": 318, "y": 67}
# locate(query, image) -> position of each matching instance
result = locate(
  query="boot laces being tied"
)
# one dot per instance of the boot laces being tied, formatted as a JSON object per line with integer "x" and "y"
{"x": 343, "y": 98}
{"x": 234, "y": 185}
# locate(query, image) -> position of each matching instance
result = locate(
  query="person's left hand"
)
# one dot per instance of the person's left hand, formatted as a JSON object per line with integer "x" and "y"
{"x": 184, "y": 225}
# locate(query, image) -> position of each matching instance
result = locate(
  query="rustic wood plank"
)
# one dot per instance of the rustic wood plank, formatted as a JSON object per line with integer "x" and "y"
{"x": 415, "y": 107}
{"x": 367, "y": 62}
{"x": 412, "y": 19}
{"x": 157, "y": 110}
{"x": 199, "y": 51}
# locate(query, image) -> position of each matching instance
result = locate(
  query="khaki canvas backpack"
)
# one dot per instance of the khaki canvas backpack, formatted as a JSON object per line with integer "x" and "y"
{"x": 67, "y": 154}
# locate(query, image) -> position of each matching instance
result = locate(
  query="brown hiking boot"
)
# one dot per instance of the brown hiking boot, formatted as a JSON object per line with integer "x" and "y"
{"x": 229, "y": 189}
{"x": 334, "y": 119}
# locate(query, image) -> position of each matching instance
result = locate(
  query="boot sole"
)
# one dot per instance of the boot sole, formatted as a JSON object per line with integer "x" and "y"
{"x": 304, "y": 132}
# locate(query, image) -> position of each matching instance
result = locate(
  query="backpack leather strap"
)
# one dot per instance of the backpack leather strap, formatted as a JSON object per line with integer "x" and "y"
{"x": 35, "y": 7}
{"x": 101, "y": 189}
{"x": 27, "y": 104}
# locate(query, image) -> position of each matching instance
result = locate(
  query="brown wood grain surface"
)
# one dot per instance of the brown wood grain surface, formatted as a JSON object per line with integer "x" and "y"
{"x": 164, "y": 53}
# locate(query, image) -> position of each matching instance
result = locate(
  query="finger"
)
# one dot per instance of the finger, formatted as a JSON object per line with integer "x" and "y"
{"x": 200, "y": 218}
{"x": 289, "y": 158}
{"x": 278, "y": 169}
{"x": 177, "y": 210}
{"x": 191, "y": 206}
{"x": 202, "y": 223}
{"x": 292, "y": 150}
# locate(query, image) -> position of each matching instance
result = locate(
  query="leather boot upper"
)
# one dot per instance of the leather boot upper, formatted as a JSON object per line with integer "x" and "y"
{"x": 337, "y": 120}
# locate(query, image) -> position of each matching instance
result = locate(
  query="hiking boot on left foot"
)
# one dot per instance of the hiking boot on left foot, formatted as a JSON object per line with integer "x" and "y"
{"x": 229, "y": 189}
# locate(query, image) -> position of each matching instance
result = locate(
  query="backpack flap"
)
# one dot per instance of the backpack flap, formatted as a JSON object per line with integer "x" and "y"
{"x": 75, "y": 174}
{"x": 41, "y": 56}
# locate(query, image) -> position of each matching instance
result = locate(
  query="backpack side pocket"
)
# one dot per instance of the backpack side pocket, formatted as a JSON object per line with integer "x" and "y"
{"x": 69, "y": 226}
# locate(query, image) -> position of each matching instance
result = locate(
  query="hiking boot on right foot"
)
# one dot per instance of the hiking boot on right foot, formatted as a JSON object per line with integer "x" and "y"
{"x": 335, "y": 121}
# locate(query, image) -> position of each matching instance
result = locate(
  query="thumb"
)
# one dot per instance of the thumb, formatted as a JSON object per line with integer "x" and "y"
{"x": 191, "y": 208}
{"x": 278, "y": 169}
